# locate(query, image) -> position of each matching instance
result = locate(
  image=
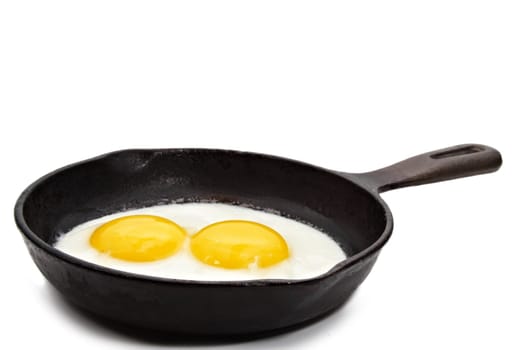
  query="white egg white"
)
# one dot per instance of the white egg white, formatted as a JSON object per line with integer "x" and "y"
{"x": 312, "y": 252}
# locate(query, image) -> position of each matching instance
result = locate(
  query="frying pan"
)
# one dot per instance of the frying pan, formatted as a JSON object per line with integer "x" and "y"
{"x": 345, "y": 206}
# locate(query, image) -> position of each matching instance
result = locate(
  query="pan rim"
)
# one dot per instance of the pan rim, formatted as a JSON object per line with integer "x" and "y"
{"x": 347, "y": 264}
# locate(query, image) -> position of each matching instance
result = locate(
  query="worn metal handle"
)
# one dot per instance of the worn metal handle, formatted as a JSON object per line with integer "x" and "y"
{"x": 444, "y": 164}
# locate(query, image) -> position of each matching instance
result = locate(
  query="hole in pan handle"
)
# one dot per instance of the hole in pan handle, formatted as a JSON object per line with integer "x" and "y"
{"x": 440, "y": 165}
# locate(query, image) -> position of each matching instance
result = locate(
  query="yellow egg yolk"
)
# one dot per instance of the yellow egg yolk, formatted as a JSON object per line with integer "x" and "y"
{"x": 138, "y": 238}
{"x": 237, "y": 244}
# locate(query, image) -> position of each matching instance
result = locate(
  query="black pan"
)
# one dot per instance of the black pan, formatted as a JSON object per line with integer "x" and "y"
{"x": 346, "y": 206}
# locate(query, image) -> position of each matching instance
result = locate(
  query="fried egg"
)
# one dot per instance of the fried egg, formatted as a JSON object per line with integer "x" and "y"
{"x": 203, "y": 242}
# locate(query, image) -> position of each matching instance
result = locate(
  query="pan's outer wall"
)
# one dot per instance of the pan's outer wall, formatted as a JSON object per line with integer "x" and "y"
{"x": 198, "y": 309}
{"x": 353, "y": 216}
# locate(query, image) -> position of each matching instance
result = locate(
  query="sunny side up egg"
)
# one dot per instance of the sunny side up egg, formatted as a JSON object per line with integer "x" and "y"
{"x": 203, "y": 241}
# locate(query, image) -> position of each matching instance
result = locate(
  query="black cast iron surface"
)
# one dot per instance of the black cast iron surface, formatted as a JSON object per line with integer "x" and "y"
{"x": 345, "y": 206}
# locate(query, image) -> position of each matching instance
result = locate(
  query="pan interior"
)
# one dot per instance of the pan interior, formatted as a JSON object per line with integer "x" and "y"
{"x": 139, "y": 178}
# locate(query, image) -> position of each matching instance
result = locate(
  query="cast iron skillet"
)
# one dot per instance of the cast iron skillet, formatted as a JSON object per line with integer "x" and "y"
{"x": 346, "y": 206}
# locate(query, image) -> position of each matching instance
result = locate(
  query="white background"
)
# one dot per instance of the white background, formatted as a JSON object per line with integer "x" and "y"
{"x": 348, "y": 85}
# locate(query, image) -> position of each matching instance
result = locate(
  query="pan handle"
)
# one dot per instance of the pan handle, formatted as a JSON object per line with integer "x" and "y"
{"x": 444, "y": 164}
